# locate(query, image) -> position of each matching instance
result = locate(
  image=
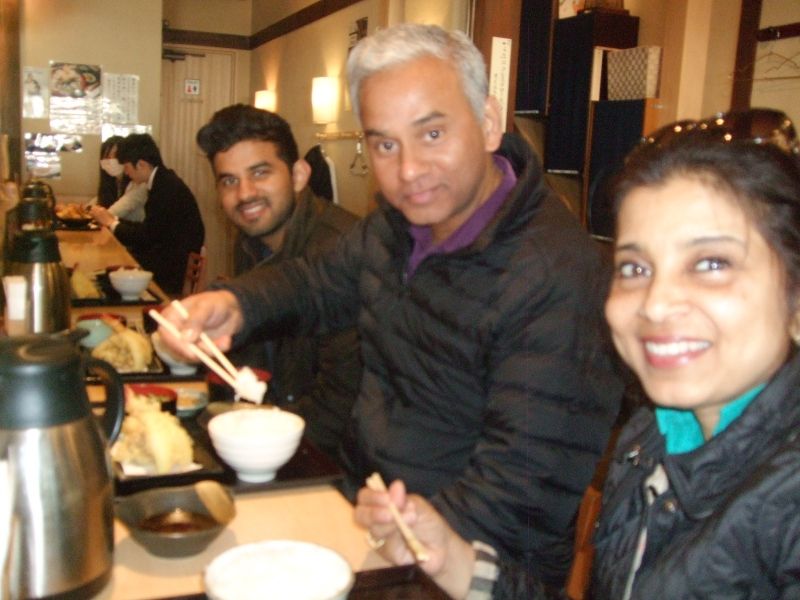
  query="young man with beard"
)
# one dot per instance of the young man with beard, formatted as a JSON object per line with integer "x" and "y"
{"x": 262, "y": 187}
{"x": 487, "y": 384}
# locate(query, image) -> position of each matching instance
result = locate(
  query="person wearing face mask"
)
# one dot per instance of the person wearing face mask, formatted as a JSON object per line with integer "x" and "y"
{"x": 122, "y": 197}
{"x": 111, "y": 181}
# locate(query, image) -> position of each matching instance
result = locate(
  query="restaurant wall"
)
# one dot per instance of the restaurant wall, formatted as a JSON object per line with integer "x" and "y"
{"x": 267, "y": 12}
{"x": 219, "y": 16}
{"x": 450, "y": 15}
{"x": 288, "y": 64}
{"x": 121, "y": 37}
{"x": 698, "y": 40}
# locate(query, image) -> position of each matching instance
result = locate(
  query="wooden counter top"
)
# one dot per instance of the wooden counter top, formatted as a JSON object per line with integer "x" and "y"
{"x": 317, "y": 514}
{"x": 92, "y": 250}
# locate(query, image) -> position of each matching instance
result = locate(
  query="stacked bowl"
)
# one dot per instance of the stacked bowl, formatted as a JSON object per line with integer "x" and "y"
{"x": 130, "y": 283}
{"x": 256, "y": 443}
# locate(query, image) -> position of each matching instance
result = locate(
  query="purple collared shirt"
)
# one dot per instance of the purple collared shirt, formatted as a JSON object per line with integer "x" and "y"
{"x": 424, "y": 245}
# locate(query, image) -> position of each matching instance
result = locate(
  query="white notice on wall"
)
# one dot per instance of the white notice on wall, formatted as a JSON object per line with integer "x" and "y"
{"x": 499, "y": 73}
{"x": 120, "y": 98}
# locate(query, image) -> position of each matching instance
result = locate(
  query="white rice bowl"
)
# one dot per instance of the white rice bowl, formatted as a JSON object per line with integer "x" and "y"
{"x": 279, "y": 569}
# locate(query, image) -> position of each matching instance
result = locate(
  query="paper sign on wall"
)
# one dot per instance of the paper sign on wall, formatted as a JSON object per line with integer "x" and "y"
{"x": 191, "y": 87}
{"x": 499, "y": 74}
{"x": 120, "y": 98}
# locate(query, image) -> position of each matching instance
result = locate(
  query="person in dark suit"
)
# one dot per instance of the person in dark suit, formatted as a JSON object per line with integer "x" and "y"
{"x": 172, "y": 226}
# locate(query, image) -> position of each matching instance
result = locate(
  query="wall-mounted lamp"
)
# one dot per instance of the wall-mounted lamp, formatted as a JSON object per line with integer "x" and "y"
{"x": 325, "y": 99}
{"x": 266, "y": 100}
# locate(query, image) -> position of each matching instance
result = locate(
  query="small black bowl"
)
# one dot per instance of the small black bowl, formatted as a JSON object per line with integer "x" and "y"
{"x": 171, "y": 521}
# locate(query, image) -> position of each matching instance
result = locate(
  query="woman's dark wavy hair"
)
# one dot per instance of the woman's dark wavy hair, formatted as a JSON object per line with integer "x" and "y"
{"x": 240, "y": 122}
{"x": 762, "y": 178}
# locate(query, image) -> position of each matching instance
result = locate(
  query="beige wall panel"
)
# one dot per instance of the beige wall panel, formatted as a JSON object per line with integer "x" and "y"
{"x": 288, "y": 64}
{"x": 218, "y": 16}
{"x": 723, "y": 38}
{"x": 267, "y": 12}
{"x": 450, "y": 14}
{"x": 651, "y": 15}
{"x": 698, "y": 40}
{"x": 121, "y": 37}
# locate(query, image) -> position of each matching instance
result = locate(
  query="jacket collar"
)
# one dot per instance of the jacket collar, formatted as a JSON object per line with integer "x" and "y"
{"x": 704, "y": 478}
{"x": 523, "y": 199}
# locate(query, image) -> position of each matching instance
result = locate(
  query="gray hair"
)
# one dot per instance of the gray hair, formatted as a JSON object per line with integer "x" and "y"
{"x": 408, "y": 41}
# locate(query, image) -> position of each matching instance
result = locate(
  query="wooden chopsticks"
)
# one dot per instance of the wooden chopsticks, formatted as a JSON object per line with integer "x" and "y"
{"x": 375, "y": 483}
{"x": 226, "y": 370}
{"x": 207, "y": 342}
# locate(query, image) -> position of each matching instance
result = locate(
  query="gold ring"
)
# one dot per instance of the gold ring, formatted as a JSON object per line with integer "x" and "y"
{"x": 373, "y": 543}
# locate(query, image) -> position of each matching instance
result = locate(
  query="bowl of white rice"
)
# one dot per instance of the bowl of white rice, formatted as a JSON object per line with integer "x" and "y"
{"x": 286, "y": 569}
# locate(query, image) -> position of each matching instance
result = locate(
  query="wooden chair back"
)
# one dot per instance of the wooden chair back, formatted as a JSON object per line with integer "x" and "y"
{"x": 194, "y": 279}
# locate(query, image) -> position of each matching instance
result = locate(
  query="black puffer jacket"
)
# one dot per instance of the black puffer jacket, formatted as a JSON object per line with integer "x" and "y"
{"x": 729, "y": 524}
{"x": 486, "y": 382}
{"x": 316, "y": 376}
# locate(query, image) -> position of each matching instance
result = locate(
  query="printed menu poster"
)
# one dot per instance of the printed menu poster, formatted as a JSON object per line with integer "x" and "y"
{"x": 120, "y": 98}
{"x": 75, "y": 98}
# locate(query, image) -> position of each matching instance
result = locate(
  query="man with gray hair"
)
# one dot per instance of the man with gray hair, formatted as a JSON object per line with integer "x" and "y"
{"x": 487, "y": 386}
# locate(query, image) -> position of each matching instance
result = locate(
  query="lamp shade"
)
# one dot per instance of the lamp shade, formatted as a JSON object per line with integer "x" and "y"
{"x": 266, "y": 100}
{"x": 324, "y": 99}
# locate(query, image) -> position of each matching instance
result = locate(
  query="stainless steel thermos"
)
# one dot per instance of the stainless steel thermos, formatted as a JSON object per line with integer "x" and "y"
{"x": 56, "y": 492}
{"x": 35, "y": 256}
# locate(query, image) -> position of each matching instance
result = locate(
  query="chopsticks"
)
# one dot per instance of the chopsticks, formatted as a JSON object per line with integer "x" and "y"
{"x": 227, "y": 373}
{"x": 375, "y": 483}
{"x": 207, "y": 342}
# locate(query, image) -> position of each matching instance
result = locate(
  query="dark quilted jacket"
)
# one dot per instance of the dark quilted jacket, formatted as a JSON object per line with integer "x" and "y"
{"x": 316, "y": 376}
{"x": 729, "y": 524}
{"x": 486, "y": 383}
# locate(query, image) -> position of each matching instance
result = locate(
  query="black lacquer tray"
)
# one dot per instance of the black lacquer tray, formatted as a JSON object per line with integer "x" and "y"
{"x": 393, "y": 583}
{"x": 309, "y": 466}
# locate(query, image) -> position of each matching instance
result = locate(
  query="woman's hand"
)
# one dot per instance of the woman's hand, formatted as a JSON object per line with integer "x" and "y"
{"x": 450, "y": 557}
{"x": 101, "y": 215}
{"x": 216, "y": 313}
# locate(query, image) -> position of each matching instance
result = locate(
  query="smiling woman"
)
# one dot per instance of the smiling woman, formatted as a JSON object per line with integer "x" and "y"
{"x": 698, "y": 307}
{"x": 705, "y": 309}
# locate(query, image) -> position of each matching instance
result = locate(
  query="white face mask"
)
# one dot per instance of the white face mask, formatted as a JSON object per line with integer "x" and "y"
{"x": 111, "y": 166}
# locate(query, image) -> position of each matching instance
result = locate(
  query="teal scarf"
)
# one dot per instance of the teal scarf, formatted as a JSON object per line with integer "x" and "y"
{"x": 682, "y": 430}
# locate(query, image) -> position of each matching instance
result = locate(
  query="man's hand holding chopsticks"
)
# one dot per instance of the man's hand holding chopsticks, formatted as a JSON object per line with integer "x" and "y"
{"x": 449, "y": 557}
{"x": 215, "y": 313}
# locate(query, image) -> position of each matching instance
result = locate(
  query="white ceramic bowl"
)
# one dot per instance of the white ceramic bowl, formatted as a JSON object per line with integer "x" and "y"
{"x": 284, "y": 569}
{"x": 176, "y": 366}
{"x": 130, "y": 283}
{"x": 256, "y": 443}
